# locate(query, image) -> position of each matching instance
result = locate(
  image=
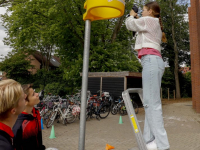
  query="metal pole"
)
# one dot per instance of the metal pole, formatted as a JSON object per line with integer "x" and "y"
{"x": 84, "y": 85}
{"x": 125, "y": 83}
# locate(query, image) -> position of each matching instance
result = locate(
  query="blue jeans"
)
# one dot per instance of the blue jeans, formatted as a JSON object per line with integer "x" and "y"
{"x": 153, "y": 69}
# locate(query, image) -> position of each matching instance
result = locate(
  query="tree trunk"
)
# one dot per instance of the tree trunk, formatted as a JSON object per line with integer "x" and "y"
{"x": 48, "y": 57}
{"x": 176, "y": 65}
{"x": 42, "y": 56}
{"x": 117, "y": 28}
{"x": 178, "y": 95}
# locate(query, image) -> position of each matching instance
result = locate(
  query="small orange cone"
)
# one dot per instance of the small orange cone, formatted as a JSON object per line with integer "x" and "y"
{"x": 108, "y": 147}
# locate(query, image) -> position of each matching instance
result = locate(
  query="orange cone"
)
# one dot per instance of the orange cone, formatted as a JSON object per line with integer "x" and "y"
{"x": 108, "y": 147}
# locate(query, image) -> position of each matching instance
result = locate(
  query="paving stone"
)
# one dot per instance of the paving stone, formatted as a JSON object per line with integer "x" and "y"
{"x": 181, "y": 123}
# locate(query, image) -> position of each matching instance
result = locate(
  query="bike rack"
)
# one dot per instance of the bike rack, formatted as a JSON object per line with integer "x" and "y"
{"x": 133, "y": 117}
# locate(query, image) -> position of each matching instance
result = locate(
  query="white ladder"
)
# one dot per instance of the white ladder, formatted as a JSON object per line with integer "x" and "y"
{"x": 133, "y": 118}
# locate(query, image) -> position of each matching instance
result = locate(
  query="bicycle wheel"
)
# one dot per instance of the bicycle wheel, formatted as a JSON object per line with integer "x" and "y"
{"x": 114, "y": 110}
{"x": 70, "y": 118}
{"x": 122, "y": 110}
{"x": 51, "y": 119}
{"x": 104, "y": 111}
{"x": 135, "y": 106}
{"x": 46, "y": 116}
{"x": 63, "y": 120}
{"x": 87, "y": 113}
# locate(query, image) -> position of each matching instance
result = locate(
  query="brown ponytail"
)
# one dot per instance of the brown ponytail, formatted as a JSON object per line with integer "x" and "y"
{"x": 164, "y": 39}
{"x": 156, "y": 13}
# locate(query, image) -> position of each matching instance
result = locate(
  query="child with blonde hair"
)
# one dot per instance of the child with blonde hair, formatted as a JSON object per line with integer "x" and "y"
{"x": 12, "y": 103}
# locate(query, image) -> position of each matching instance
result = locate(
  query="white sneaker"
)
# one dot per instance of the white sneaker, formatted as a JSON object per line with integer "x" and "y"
{"x": 152, "y": 145}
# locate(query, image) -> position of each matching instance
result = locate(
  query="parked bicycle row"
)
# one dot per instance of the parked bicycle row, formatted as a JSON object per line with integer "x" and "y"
{"x": 65, "y": 111}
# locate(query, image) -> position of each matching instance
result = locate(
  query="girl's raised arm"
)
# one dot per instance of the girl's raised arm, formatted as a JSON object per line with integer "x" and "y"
{"x": 133, "y": 24}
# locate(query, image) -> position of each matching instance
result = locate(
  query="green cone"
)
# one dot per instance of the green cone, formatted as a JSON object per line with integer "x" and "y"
{"x": 120, "y": 120}
{"x": 52, "y": 135}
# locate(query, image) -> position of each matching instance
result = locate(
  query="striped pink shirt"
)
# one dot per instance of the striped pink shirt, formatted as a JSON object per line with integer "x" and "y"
{"x": 148, "y": 51}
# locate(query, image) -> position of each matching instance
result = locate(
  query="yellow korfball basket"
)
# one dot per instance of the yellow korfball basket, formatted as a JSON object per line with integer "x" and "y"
{"x": 103, "y": 9}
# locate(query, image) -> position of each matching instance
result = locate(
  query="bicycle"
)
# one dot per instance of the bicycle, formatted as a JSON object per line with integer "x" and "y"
{"x": 44, "y": 110}
{"x": 44, "y": 107}
{"x": 63, "y": 113}
{"x": 121, "y": 108}
{"x": 97, "y": 107}
{"x": 107, "y": 98}
{"x": 56, "y": 113}
{"x": 115, "y": 108}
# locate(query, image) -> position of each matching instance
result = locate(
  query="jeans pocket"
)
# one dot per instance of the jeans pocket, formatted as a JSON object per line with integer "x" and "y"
{"x": 161, "y": 64}
{"x": 144, "y": 61}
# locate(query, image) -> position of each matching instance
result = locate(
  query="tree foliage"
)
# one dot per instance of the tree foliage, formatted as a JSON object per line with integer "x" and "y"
{"x": 42, "y": 77}
{"x": 48, "y": 25}
{"x": 176, "y": 27}
{"x": 181, "y": 32}
{"x": 56, "y": 88}
{"x": 185, "y": 84}
{"x": 57, "y": 26}
{"x": 31, "y": 27}
{"x": 16, "y": 67}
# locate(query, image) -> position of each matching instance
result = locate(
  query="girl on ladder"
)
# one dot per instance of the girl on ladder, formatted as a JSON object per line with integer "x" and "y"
{"x": 148, "y": 41}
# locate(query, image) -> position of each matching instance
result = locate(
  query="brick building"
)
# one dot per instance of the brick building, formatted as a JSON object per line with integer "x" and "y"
{"x": 194, "y": 29}
{"x": 36, "y": 60}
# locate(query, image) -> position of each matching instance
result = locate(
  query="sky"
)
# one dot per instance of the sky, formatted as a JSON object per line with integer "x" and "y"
{"x": 4, "y": 49}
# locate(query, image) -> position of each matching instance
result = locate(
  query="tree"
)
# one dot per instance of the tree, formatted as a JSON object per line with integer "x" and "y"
{"x": 30, "y": 27}
{"x": 185, "y": 84}
{"x": 110, "y": 48}
{"x": 56, "y": 88}
{"x": 42, "y": 77}
{"x": 5, "y": 2}
{"x": 176, "y": 51}
{"x": 42, "y": 25}
{"x": 16, "y": 67}
{"x": 49, "y": 25}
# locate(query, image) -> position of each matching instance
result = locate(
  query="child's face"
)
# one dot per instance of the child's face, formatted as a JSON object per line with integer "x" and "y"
{"x": 146, "y": 12}
{"x": 33, "y": 98}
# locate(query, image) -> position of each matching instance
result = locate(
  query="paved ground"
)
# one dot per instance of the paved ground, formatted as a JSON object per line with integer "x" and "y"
{"x": 181, "y": 122}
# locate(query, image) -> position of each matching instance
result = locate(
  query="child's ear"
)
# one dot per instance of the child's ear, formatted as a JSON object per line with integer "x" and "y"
{"x": 13, "y": 111}
{"x": 26, "y": 102}
{"x": 150, "y": 12}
